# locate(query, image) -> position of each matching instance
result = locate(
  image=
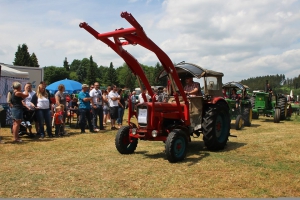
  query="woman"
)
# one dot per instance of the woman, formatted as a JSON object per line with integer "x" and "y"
{"x": 60, "y": 98}
{"x": 17, "y": 109}
{"x": 42, "y": 104}
{"x": 121, "y": 108}
{"x": 105, "y": 106}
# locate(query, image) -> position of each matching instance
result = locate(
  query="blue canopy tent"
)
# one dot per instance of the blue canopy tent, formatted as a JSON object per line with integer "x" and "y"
{"x": 70, "y": 86}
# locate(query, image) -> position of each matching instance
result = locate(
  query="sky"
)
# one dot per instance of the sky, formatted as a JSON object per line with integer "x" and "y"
{"x": 242, "y": 39}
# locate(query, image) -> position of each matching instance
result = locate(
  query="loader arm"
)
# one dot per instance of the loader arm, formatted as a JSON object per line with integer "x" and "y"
{"x": 136, "y": 35}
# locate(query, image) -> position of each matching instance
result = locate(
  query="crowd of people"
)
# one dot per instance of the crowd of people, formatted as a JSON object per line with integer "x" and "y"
{"x": 95, "y": 108}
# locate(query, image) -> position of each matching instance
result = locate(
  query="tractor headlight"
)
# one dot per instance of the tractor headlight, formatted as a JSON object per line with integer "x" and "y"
{"x": 154, "y": 133}
{"x": 133, "y": 131}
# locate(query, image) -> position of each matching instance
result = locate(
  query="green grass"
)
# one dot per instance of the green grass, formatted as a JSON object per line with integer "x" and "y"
{"x": 262, "y": 161}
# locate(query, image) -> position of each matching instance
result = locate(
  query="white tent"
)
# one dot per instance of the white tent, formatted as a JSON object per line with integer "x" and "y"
{"x": 8, "y": 76}
{"x": 10, "y": 72}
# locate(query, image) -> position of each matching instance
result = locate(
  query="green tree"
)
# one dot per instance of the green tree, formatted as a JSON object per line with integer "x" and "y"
{"x": 125, "y": 77}
{"x": 22, "y": 56}
{"x": 82, "y": 70}
{"x": 53, "y": 74}
{"x": 75, "y": 65}
{"x": 100, "y": 74}
{"x": 157, "y": 69}
{"x": 91, "y": 72}
{"x": 73, "y": 76}
{"x": 34, "y": 61}
{"x": 111, "y": 76}
{"x": 66, "y": 64}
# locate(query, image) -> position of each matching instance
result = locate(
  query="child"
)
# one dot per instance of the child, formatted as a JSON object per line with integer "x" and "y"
{"x": 58, "y": 120}
{"x": 64, "y": 114}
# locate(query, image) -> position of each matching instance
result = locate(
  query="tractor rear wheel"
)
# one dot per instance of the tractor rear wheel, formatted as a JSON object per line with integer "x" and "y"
{"x": 277, "y": 115}
{"x": 239, "y": 122}
{"x": 252, "y": 100}
{"x": 176, "y": 146}
{"x": 247, "y": 115}
{"x": 282, "y": 103}
{"x": 125, "y": 144}
{"x": 216, "y": 126}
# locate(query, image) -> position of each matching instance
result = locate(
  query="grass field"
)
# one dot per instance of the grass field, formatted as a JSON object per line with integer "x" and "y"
{"x": 262, "y": 161}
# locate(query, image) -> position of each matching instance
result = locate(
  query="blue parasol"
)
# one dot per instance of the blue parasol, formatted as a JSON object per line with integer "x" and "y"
{"x": 70, "y": 86}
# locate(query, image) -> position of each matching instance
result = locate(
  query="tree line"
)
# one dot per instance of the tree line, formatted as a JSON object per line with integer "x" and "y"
{"x": 87, "y": 71}
{"x": 279, "y": 83}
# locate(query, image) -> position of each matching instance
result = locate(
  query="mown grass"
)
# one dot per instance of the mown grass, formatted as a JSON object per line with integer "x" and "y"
{"x": 262, "y": 161}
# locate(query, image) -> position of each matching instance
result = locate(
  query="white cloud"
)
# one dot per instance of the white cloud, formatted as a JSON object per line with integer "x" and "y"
{"x": 242, "y": 39}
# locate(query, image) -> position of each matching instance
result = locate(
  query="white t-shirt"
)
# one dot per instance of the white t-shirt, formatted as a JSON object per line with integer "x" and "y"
{"x": 97, "y": 96}
{"x": 141, "y": 100}
{"x": 27, "y": 100}
{"x": 112, "y": 103}
{"x": 43, "y": 103}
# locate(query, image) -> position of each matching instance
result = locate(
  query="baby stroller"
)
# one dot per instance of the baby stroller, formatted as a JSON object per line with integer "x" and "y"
{"x": 28, "y": 116}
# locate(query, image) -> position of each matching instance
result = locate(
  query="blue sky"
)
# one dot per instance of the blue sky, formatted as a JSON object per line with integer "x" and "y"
{"x": 242, "y": 39}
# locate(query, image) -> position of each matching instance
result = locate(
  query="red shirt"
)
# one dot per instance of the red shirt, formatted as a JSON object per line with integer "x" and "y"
{"x": 58, "y": 117}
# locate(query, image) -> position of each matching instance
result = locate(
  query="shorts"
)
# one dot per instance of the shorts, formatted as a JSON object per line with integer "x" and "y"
{"x": 17, "y": 113}
{"x": 105, "y": 110}
{"x": 113, "y": 111}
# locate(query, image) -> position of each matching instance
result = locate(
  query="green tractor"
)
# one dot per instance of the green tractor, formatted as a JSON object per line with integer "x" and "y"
{"x": 264, "y": 103}
{"x": 243, "y": 114}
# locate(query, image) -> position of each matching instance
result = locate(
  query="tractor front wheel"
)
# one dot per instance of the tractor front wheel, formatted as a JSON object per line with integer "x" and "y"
{"x": 239, "y": 122}
{"x": 176, "y": 146}
{"x": 277, "y": 115}
{"x": 247, "y": 115}
{"x": 125, "y": 144}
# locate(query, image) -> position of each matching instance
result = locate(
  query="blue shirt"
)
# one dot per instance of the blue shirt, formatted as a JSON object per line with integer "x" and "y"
{"x": 84, "y": 104}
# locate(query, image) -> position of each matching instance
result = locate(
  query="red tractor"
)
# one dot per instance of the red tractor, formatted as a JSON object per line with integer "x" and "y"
{"x": 176, "y": 121}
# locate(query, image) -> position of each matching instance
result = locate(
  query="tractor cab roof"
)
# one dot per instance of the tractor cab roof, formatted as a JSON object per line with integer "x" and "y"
{"x": 187, "y": 69}
{"x": 235, "y": 85}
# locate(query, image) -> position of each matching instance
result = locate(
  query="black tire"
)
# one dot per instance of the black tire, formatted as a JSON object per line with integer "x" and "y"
{"x": 282, "y": 103}
{"x": 277, "y": 115}
{"x": 247, "y": 115}
{"x": 239, "y": 122}
{"x": 255, "y": 115}
{"x": 216, "y": 126}
{"x": 125, "y": 144}
{"x": 176, "y": 146}
{"x": 252, "y": 100}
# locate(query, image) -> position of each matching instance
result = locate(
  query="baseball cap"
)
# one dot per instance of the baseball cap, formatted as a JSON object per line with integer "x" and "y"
{"x": 85, "y": 86}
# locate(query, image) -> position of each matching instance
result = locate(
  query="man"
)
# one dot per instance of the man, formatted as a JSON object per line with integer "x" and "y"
{"x": 91, "y": 87}
{"x": 84, "y": 109}
{"x": 270, "y": 91}
{"x": 113, "y": 100}
{"x": 108, "y": 89}
{"x": 191, "y": 88}
{"x": 97, "y": 109}
{"x": 29, "y": 115}
{"x": 163, "y": 96}
{"x": 141, "y": 99}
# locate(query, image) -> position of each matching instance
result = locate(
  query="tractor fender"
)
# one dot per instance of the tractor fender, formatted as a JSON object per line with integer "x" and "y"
{"x": 216, "y": 100}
